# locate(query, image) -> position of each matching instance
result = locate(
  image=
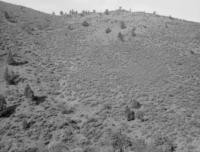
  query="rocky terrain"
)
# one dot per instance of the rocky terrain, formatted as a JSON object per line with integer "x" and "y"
{"x": 118, "y": 81}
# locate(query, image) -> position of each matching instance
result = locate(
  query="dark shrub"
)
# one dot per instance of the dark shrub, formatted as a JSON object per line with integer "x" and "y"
{"x": 11, "y": 77}
{"x": 133, "y": 32}
{"x": 130, "y": 114}
{"x": 28, "y": 92}
{"x": 9, "y": 17}
{"x": 3, "y": 103}
{"x": 108, "y": 30}
{"x": 122, "y": 25}
{"x": 107, "y": 12}
{"x": 61, "y": 13}
{"x": 120, "y": 36}
{"x": 85, "y": 23}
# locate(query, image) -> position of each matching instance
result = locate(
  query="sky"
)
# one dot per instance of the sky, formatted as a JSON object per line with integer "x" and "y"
{"x": 183, "y": 9}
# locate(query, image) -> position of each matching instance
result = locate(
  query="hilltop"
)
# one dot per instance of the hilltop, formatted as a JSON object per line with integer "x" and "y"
{"x": 117, "y": 81}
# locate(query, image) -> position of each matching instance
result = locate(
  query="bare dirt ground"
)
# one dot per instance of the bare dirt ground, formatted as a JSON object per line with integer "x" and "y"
{"x": 103, "y": 93}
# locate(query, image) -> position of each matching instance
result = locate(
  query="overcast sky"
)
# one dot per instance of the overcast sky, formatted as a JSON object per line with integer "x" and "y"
{"x": 185, "y": 9}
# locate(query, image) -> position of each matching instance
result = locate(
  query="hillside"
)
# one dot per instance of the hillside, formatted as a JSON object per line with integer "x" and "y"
{"x": 131, "y": 88}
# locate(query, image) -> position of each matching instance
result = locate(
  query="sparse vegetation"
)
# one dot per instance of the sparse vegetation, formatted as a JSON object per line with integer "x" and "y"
{"x": 89, "y": 76}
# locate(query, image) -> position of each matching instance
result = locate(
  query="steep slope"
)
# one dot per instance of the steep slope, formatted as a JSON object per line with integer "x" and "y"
{"x": 138, "y": 91}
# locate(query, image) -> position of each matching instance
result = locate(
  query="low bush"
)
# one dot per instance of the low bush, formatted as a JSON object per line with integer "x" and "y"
{"x": 120, "y": 36}
{"x": 108, "y": 30}
{"x": 107, "y": 12}
{"x": 122, "y": 25}
{"x": 11, "y": 77}
{"x": 133, "y": 32}
{"x": 85, "y": 23}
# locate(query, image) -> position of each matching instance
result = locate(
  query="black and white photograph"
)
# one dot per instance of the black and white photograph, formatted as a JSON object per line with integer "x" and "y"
{"x": 99, "y": 76}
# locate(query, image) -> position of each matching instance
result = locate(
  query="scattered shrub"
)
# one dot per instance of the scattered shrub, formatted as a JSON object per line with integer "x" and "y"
{"x": 120, "y": 36}
{"x": 85, "y": 23}
{"x": 108, "y": 30}
{"x": 11, "y": 77}
{"x": 122, "y": 25}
